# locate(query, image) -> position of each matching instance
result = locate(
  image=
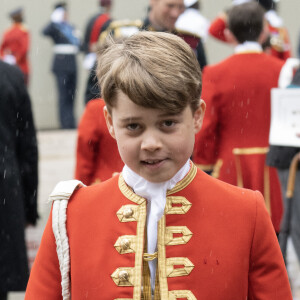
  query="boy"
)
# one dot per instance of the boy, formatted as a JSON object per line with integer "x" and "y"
{"x": 235, "y": 134}
{"x": 161, "y": 228}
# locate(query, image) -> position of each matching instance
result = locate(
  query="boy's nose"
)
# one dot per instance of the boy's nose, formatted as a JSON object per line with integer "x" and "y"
{"x": 150, "y": 143}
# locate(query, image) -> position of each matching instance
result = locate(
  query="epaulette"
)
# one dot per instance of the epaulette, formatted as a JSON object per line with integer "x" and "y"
{"x": 121, "y": 28}
{"x": 60, "y": 197}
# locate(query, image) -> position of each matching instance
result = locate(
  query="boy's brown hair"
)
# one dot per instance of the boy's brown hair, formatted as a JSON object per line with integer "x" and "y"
{"x": 154, "y": 69}
{"x": 246, "y": 21}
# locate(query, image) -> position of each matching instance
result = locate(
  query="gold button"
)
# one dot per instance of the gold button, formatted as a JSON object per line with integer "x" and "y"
{"x": 123, "y": 276}
{"x": 125, "y": 244}
{"x": 128, "y": 212}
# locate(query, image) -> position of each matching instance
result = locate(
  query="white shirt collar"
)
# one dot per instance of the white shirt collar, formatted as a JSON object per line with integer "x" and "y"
{"x": 248, "y": 47}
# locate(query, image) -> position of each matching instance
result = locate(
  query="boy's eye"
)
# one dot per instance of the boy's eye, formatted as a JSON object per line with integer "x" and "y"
{"x": 168, "y": 123}
{"x": 133, "y": 126}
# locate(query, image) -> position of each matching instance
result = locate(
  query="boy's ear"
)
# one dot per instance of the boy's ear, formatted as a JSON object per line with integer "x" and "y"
{"x": 230, "y": 38}
{"x": 109, "y": 122}
{"x": 265, "y": 33}
{"x": 198, "y": 116}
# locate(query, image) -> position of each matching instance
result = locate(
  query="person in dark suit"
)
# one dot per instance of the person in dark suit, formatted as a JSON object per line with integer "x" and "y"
{"x": 64, "y": 62}
{"x": 18, "y": 178}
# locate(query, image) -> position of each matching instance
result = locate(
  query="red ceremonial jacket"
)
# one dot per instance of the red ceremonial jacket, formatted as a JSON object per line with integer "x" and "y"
{"x": 280, "y": 41}
{"x": 237, "y": 95}
{"x": 215, "y": 241}
{"x": 97, "y": 155}
{"x": 16, "y": 42}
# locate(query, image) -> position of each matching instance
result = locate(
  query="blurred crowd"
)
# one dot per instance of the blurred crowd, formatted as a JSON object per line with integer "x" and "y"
{"x": 232, "y": 146}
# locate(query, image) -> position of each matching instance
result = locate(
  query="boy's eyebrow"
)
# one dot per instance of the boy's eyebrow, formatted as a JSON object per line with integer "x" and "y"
{"x": 130, "y": 119}
{"x": 162, "y": 115}
{"x": 168, "y": 114}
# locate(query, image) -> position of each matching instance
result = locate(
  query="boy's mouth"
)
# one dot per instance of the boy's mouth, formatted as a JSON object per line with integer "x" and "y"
{"x": 153, "y": 162}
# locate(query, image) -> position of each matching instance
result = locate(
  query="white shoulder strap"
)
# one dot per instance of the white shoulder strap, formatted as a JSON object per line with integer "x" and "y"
{"x": 60, "y": 197}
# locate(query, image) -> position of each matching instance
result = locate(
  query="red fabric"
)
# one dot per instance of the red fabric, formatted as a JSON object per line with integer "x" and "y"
{"x": 97, "y": 28}
{"x": 217, "y": 27}
{"x": 191, "y": 40}
{"x": 233, "y": 247}
{"x": 237, "y": 94}
{"x": 16, "y": 42}
{"x": 97, "y": 156}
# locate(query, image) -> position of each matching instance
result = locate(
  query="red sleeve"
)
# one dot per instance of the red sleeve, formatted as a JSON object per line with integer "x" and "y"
{"x": 88, "y": 138}
{"x": 44, "y": 281}
{"x": 24, "y": 47}
{"x": 205, "y": 151}
{"x": 267, "y": 274}
{"x": 217, "y": 28}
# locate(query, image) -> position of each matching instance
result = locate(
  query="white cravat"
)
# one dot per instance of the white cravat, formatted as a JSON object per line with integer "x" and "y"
{"x": 155, "y": 193}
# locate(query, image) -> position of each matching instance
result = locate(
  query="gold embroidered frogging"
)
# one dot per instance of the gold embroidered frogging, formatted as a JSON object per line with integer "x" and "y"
{"x": 131, "y": 213}
{"x": 167, "y": 236}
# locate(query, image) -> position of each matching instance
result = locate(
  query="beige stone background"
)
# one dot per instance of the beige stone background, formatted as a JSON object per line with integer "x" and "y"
{"x": 37, "y": 12}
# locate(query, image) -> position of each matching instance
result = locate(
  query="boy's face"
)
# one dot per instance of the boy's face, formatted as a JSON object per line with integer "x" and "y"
{"x": 152, "y": 143}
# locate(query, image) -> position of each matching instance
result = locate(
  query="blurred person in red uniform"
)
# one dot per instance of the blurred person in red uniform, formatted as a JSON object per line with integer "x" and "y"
{"x": 15, "y": 43}
{"x": 97, "y": 156}
{"x": 237, "y": 94}
{"x": 277, "y": 43}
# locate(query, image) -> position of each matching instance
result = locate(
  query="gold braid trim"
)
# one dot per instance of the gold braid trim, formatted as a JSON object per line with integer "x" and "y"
{"x": 163, "y": 283}
{"x": 141, "y": 222}
{"x": 252, "y": 151}
{"x": 185, "y": 181}
{"x": 173, "y": 295}
{"x": 174, "y": 261}
{"x": 128, "y": 192}
{"x": 248, "y": 151}
{"x": 149, "y": 257}
{"x": 217, "y": 167}
{"x": 205, "y": 167}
